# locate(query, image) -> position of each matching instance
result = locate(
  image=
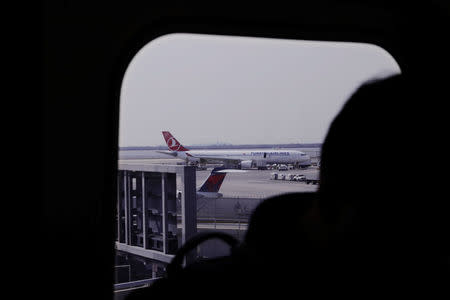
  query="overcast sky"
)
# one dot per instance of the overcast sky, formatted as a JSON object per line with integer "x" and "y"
{"x": 209, "y": 88}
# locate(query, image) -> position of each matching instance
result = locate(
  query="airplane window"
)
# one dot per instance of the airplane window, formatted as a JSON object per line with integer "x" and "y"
{"x": 250, "y": 114}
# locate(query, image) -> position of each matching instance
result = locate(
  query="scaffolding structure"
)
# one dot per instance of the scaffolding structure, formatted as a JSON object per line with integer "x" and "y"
{"x": 147, "y": 210}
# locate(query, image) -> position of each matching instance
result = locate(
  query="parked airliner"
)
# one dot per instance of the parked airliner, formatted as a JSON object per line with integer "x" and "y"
{"x": 244, "y": 159}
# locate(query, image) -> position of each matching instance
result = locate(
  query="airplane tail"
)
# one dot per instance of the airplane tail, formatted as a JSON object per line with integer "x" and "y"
{"x": 172, "y": 142}
{"x": 214, "y": 181}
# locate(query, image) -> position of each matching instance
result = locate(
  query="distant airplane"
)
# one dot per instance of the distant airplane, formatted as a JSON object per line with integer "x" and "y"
{"x": 243, "y": 159}
{"x": 210, "y": 188}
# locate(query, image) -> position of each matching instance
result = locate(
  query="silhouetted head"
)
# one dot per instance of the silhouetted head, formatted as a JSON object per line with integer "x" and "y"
{"x": 374, "y": 182}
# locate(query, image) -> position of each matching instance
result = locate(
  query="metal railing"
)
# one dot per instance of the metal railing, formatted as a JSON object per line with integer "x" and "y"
{"x": 134, "y": 284}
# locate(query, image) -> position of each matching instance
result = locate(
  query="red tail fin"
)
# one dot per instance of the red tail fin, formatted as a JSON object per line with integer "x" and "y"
{"x": 213, "y": 182}
{"x": 172, "y": 142}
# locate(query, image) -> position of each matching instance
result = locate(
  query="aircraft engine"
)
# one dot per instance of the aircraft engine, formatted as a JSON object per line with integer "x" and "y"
{"x": 246, "y": 164}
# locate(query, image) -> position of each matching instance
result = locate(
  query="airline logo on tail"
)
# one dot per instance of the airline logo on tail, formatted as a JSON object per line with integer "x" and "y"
{"x": 213, "y": 183}
{"x": 172, "y": 142}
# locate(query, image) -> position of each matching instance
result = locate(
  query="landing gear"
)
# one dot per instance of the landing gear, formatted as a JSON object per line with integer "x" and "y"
{"x": 200, "y": 167}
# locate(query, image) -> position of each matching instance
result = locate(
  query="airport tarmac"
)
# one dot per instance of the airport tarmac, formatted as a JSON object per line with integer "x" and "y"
{"x": 251, "y": 184}
{"x": 257, "y": 183}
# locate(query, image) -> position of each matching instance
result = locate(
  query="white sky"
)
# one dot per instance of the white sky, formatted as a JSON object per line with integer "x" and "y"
{"x": 209, "y": 88}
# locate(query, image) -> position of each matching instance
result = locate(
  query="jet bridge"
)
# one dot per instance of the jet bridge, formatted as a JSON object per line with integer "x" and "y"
{"x": 147, "y": 210}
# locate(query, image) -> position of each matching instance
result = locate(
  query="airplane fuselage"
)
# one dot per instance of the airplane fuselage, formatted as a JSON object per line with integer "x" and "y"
{"x": 265, "y": 156}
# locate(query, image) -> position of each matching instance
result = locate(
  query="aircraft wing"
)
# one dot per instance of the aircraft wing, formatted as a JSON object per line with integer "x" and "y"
{"x": 171, "y": 153}
{"x": 230, "y": 171}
